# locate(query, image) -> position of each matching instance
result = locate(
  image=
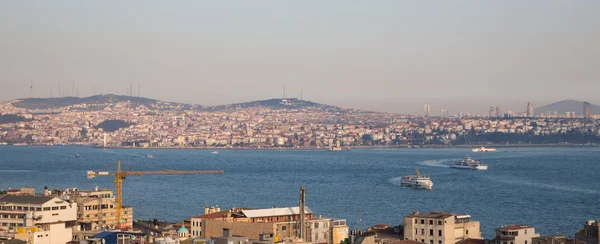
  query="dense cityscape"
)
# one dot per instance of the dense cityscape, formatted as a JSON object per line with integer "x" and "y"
{"x": 91, "y": 216}
{"x": 282, "y": 123}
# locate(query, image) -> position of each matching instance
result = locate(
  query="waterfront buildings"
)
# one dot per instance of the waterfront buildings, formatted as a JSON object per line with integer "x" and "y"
{"x": 38, "y": 219}
{"x": 515, "y": 234}
{"x": 558, "y": 239}
{"x": 590, "y": 233}
{"x": 282, "y": 222}
{"x": 440, "y": 227}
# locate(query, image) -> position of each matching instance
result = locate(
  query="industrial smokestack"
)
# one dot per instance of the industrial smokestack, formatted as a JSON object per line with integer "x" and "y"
{"x": 302, "y": 222}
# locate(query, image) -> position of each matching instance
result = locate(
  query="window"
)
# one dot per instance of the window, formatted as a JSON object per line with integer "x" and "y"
{"x": 422, "y": 221}
{"x": 440, "y": 242}
{"x": 54, "y": 214}
{"x": 525, "y": 233}
{"x": 284, "y": 227}
{"x": 422, "y": 240}
{"x": 26, "y": 208}
{"x": 316, "y": 225}
{"x": 38, "y": 209}
{"x": 439, "y": 222}
{"x": 63, "y": 207}
{"x": 431, "y": 233}
{"x": 415, "y": 221}
{"x": 439, "y": 232}
{"x": 430, "y": 241}
{"x": 46, "y": 208}
{"x": 430, "y": 221}
{"x": 525, "y": 242}
{"x": 467, "y": 232}
{"x": 416, "y": 231}
{"x": 19, "y": 208}
{"x": 422, "y": 231}
{"x": 55, "y": 208}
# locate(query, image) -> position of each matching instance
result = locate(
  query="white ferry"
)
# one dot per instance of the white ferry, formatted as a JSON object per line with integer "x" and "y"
{"x": 215, "y": 152}
{"x": 484, "y": 149}
{"x": 149, "y": 156}
{"x": 417, "y": 181}
{"x": 469, "y": 163}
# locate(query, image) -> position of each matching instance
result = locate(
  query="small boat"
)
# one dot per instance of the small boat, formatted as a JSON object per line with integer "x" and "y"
{"x": 215, "y": 152}
{"x": 469, "y": 163}
{"x": 335, "y": 149}
{"x": 149, "y": 156}
{"x": 417, "y": 181}
{"x": 77, "y": 156}
{"x": 484, "y": 149}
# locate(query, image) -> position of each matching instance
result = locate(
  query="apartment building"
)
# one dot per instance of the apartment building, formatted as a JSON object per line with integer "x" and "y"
{"x": 282, "y": 222}
{"x": 38, "y": 219}
{"x": 590, "y": 233}
{"x": 515, "y": 234}
{"x": 440, "y": 227}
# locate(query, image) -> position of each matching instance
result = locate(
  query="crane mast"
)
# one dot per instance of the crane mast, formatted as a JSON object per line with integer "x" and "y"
{"x": 121, "y": 175}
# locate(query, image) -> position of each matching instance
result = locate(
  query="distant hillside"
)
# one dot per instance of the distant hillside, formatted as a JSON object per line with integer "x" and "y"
{"x": 48, "y": 103}
{"x": 566, "y": 106}
{"x": 277, "y": 103}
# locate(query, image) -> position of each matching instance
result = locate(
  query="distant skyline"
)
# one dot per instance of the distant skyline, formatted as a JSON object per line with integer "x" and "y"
{"x": 387, "y": 56}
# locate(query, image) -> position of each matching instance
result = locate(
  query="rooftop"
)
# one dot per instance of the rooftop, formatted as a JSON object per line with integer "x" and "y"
{"x": 434, "y": 215}
{"x": 271, "y": 212}
{"x": 514, "y": 227}
{"x": 26, "y": 199}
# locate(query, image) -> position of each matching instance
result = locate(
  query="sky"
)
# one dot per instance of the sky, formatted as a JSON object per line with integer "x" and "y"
{"x": 391, "y": 56}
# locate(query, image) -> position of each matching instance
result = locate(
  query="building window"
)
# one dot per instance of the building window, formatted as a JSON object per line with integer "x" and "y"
{"x": 416, "y": 231}
{"x": 422, "y": 240}
{"x": 525, "y": 242}
{"x": 422, "y": 221}
{"x": 38, "y": 209}
{"x": 430, "y": 241}
{"x": 316, "y": 225}
{"x": 431, "y": 234}
{"x": 54, "y": 214}
{"x": 283, "y": 227}
{"x": 422, "y": 231}
{"x": 46, "y": 208}
{"x": 439, "y": 222}
{"x": 467, "y": 232}
{"x": 439, "y": 232}
{"x": 440, "y": 242}
{"x": 525, "y": 233}
{"x": 55, "y": 208}
{"x": 430, "y": 221}
{"x": 415, "y": 221}
{"x": 63, "y": 207}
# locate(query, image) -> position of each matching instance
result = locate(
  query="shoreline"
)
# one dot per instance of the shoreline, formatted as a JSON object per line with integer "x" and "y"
{"x": 327, "y": 148}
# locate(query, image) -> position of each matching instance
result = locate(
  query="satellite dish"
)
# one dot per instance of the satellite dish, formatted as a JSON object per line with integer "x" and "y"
{"x": 132, "y": 237}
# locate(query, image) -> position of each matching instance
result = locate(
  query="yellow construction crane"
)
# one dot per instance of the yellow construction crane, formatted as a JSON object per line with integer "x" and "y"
{"x": 121, "y": 175}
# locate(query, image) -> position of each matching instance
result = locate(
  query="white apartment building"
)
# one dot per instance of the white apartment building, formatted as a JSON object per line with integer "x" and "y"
{"x": 440, "y": 228}
{"x": 515, "y": 234}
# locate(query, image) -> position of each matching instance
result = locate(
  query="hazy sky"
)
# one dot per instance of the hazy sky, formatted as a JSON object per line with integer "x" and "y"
{"x": 381, "y": 55}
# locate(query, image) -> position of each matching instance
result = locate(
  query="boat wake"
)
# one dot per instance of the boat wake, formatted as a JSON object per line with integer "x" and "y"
{"x": 442, "y": 163}
{"x": 545, "y": 186}
{"x": 395, "y": 180}
{"x": 16, "y": 170}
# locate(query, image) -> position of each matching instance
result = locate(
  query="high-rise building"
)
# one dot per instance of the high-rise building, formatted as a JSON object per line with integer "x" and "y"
{"x": 530, "y": 112}
{"x": 587, "y": 110}
{"x": 498, "y": 111}
{"x": 427, "y": 109}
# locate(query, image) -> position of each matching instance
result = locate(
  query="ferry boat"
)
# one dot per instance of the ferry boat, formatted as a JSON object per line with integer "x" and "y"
{"x": 215, "y": 152}
{"x": 484, "y": 149}
{"x": 77, "y": 156}
{"x": 149, "y": 156}
{"x": 417, "y": 181}
{"x": 469, "y": 163}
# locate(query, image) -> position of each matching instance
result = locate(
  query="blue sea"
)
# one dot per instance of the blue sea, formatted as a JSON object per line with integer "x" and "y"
{"x": 554, "y": 189}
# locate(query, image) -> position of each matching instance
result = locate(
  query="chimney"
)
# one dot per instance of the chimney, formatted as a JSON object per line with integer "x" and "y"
{"x": 302, "y": 202}
{"x": 227, "y": 232}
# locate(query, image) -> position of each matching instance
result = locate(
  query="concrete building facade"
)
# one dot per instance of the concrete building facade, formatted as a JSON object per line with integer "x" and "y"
{"x": 590, "y": 232}
{"x": 515, "y": 234}
{"x": 440, "y": 228}
{"x": 28, "y": 211}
